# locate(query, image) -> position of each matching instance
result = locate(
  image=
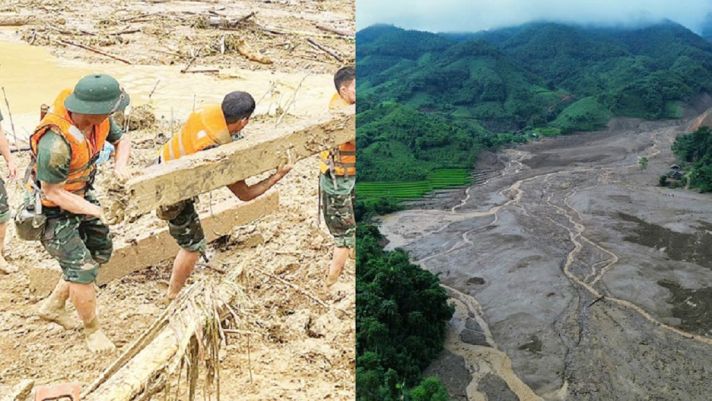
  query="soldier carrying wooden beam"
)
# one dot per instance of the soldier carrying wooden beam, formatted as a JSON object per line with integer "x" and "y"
{"x": 208, "y": 127}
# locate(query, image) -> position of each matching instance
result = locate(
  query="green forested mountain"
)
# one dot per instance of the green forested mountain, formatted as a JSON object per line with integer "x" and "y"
{"x": 428, "y": 101}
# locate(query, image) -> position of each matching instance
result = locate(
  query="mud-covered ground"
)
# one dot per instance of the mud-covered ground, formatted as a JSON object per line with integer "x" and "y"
{"x": 288, "y": 347}
{"x": 297, "y": 350}
{"x": 574, "y": 276}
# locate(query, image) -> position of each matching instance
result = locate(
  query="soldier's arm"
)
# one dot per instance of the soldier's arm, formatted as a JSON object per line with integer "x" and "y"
{"x": 248, "y": 192}
{"x": 123, "y": 149}
{"x": 53, "y": 159}
{"x": 68, "y": 201}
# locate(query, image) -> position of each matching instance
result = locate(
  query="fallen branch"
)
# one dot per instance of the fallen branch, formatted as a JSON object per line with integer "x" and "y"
{"x": 201, "y": 71}
{"x": 291, "y": 100}
{"x": 330, "y": 52}
{"x": 97, "y": 51}
{"x": 154, "y": 89}
{"x": 125, "y": 32}
{"x": 334, "y": 30}
{"x": 190, "y": 62}
{"x": 246, "y": 17}
{"x": 293, "y": 286}
{"x": 301, "y": 291}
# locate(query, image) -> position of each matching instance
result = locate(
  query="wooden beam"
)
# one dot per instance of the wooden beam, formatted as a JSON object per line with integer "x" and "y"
{"x": 155, "y": 248}
{"x": 265, "y": 148}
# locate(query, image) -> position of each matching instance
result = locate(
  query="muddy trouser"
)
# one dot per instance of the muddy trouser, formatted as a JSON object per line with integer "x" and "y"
{"x": 184, "y": 225}
{"x": 337, "y": 207}
{"x": 80, "y": 243}
{"x": 4, "y": 205}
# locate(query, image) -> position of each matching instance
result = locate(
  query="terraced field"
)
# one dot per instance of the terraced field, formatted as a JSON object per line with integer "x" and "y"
{"x": 409, "y": 190}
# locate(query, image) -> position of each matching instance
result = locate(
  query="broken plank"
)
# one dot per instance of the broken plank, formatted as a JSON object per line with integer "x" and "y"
{"x": 263, "y": 150}
{"x": 158, "y": 247}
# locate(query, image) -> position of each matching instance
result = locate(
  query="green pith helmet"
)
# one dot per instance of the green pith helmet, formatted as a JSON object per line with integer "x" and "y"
{"x": 125, "y": 101}
{"x": 95, "y": 94}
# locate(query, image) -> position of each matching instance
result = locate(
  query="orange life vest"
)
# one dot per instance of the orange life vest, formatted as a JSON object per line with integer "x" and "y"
{"x": 342, "y": 157}
{"x": 205, "y": 128}
{"x": 84, "y": 149}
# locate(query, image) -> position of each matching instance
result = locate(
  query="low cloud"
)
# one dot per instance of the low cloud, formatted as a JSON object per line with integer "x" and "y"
{"x": 477, "y": 15}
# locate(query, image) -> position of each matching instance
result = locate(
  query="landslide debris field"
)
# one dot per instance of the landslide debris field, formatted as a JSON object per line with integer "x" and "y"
{"x": 251, "y": 34}
{"x": 574, "y": 276}
{"x": 294, "y": 340}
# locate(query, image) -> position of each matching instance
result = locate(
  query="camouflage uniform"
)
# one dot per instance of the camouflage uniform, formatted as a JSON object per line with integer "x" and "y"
{"x": 184, "y": 225}
{"x": 79, "y": 243}
{"x": 184, "y": 221}
{"x": 337, "y": 208}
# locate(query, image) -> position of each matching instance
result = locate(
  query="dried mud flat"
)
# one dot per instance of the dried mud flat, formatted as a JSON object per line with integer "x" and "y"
{"x": 287, "y": 346}
{"x": 573, "y": 274}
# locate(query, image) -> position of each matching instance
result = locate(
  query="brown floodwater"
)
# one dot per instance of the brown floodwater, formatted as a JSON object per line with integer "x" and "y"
{"x": 31, "y": 76}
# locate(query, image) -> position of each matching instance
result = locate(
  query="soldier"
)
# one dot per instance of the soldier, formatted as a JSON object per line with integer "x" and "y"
{"x": 65, "y": 147}
{"x": 337, "y": 181}
{"x": 208, "y": 127}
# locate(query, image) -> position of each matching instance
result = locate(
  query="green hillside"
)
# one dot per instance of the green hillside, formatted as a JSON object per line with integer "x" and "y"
{"x": 431, "y": 101}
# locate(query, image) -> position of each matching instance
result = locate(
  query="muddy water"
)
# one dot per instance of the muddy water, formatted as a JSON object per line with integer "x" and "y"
{"x": 32, "y": 76}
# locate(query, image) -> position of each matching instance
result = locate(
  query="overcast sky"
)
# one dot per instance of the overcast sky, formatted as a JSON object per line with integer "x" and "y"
{"x": 477, "y": 15}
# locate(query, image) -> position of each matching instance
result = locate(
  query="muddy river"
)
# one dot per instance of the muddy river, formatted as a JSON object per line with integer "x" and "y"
{"x": 574, "y": 276}
{"x": 31, "y": 76}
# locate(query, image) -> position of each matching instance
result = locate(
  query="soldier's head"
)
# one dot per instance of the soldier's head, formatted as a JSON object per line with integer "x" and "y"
{"x": 93, "y": 100}
{"x": 237, "y": 107}
{"x": 345, "y": 82}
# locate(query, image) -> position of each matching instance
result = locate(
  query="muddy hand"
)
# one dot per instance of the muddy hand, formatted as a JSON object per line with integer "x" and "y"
{"x": 113, "y": 214}
{"x": 287, "y": 166}
{"x": 122, "y": 174}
